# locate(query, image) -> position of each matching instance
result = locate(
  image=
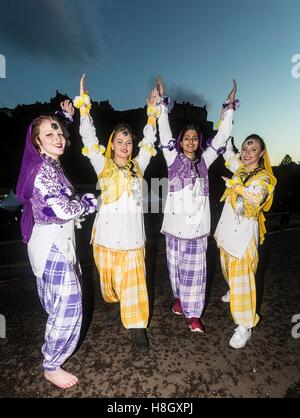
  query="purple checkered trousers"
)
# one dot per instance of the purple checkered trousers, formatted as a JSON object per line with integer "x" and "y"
{"x": 60, "y": 294}
{"x": 186, "y": 260}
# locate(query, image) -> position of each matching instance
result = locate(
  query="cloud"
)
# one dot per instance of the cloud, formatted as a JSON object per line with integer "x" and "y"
{"x": 184, "y": 94}
{"x": 66, "y": 31}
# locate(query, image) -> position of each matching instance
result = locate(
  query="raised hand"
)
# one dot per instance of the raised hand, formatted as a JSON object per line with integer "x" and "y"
{"x": 153, "y": 98}
{"x": 82, "y": 85}
{"x": 232, "y": 94}
{"x": 160, "y": 86}
{"x": 68, "y": 107}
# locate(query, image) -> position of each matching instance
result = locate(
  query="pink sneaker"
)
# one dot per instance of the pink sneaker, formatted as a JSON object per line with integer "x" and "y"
{"x": 196, "y": 325}
{"x": 177, "y": 308}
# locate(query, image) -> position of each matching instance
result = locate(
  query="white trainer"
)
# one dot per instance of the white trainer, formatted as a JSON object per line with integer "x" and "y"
{"x": 240, "y": 337}
{"x": 226, "y": 298}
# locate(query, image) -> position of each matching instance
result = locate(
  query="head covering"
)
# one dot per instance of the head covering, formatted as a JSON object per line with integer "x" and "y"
{"x": 109, "y": 151}
{"x": 108, "y": 147}
{"x": 269, "y": 201}
{"x": 30, "y": 166}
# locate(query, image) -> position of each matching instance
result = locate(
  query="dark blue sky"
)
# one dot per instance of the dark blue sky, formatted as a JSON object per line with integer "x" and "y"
{"x": 195, "y": 45}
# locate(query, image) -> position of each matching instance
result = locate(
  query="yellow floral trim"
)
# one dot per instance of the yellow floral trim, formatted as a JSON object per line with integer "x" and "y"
{"x": 233, "y": 182}
{"x": 153, "y": 111}
{"x": 218, "y": 124}
{"x": 151, "y": 120}
{"x": 85, "y": 151}
{"x": 233, "y": 163}
{"x": 98, "y": 148}
{"x": 148, "y": 148}
{"x": 94, "y": 148}
{"x": 113, "y": 183}
{"x": 84, "y": 111}
{"x": 82, "y": 101}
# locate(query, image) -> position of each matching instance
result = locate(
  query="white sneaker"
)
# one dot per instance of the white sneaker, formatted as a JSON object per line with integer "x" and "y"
{"x": 226, "y": 298}
{"x": 240, "y": 337}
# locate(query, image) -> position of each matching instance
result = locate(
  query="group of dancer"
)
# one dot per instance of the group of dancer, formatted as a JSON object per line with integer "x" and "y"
{"x": 51, "y": 210}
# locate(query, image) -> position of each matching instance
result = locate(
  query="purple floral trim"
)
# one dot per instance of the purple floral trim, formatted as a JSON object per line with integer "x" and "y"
{"x": 170, "y": 146}
{"x": 235, "y": 104}
{"x": 219, "y": 151}
{"x": 184, "y": 172}
{"x": 65, "y": 116}
{"x": 52, "y": 194}
{"x": 48, "y": 212}
{"x": 166, "y": 100}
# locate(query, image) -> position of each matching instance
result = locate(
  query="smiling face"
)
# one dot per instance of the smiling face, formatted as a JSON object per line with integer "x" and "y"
{"x": 51, "y": 140}
{"x": 122, "y": 145}
{"x": 190, "y": 142}
{"x": 250, "y": 153}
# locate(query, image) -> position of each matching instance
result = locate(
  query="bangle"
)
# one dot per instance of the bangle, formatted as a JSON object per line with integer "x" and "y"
{"x": 153, "y": 111}
{"x": 165, "y": 100}
{"x": 235, "y": 104}
{"x": 82, "y": 101}
{"x": 221, "y": 150}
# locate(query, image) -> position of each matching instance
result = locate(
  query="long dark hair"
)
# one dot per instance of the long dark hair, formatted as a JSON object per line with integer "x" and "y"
{"x": 191, "y": 127}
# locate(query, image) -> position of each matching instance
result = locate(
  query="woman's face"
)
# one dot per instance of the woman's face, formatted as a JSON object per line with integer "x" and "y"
{"x": 190, "y": 142}
{"x": 51, "y": 139}
{"x": 122, "y": 145}
{"x": 251, "y": 153}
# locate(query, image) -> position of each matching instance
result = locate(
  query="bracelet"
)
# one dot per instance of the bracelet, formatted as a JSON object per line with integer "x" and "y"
{"x": 65, "y": 116}
{"x": 235, "y": 104}
{"x": 82, "y": 101}
{"x": 153, "y": 111}
{"x": 221, "y": 150}
{"x": 165, "y": 100}
{"x": 170, "y": 146}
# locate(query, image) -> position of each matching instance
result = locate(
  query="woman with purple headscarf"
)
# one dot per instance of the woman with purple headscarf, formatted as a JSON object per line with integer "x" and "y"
{"x": 186, "y": 223}
{"x": 50, "y": 209}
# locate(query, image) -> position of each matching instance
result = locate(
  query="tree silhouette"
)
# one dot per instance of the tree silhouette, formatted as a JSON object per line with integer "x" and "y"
{"x": 286, "y": 160}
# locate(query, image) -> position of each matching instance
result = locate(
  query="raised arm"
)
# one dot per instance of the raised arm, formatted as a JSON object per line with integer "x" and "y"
{"x": 222, "y": 138}
{"x": 232, "y": 158}
{"x": 147, "y": 149}
{"x": 167, "y": 142}
{"x": 87, "y": 130}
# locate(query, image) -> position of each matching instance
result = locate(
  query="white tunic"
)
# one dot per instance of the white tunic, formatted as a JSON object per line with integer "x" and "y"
{"x": 187, "y": 213}
{"x": 234, "y": 234}
{"x": 118, "y": 225}
{"x": 42, "y": 239}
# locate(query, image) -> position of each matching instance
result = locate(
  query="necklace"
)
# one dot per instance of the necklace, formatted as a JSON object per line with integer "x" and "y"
{"x": 245, "y": 175}
{"x": 124, "y": 167}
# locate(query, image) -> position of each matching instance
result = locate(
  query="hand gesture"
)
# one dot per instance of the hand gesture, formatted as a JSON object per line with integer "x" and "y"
{"x": 160, "y": 86}
{"x": 82, "y": 85}
{"x": 232, "y": 94}
{"x": 68, "y": 107}
{"x": 153, "y": 98}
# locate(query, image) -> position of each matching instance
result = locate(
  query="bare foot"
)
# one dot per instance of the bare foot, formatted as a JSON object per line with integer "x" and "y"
{"x": 61, "y": 378}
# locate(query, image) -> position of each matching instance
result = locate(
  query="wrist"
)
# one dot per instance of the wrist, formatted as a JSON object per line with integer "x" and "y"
{"x": 164, "y": 100}
{"x": 231, "y": 104}
{"x": 151, "y": 120}
{"x": 153, "y": 111}
{"x": 82, "y": 101}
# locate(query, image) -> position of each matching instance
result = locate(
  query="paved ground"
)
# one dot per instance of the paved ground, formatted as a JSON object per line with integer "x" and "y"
{"x": 179, "y": 363}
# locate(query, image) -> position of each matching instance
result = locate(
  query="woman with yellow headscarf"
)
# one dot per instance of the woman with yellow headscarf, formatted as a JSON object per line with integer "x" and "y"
{"x": 118, "y": 235}
{"x": 241, "y": 228}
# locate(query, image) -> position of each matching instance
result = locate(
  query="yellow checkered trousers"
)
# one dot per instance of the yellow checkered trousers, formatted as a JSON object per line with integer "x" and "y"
{"x": 123, "y": 279}
{"x": 240, "y": 276}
